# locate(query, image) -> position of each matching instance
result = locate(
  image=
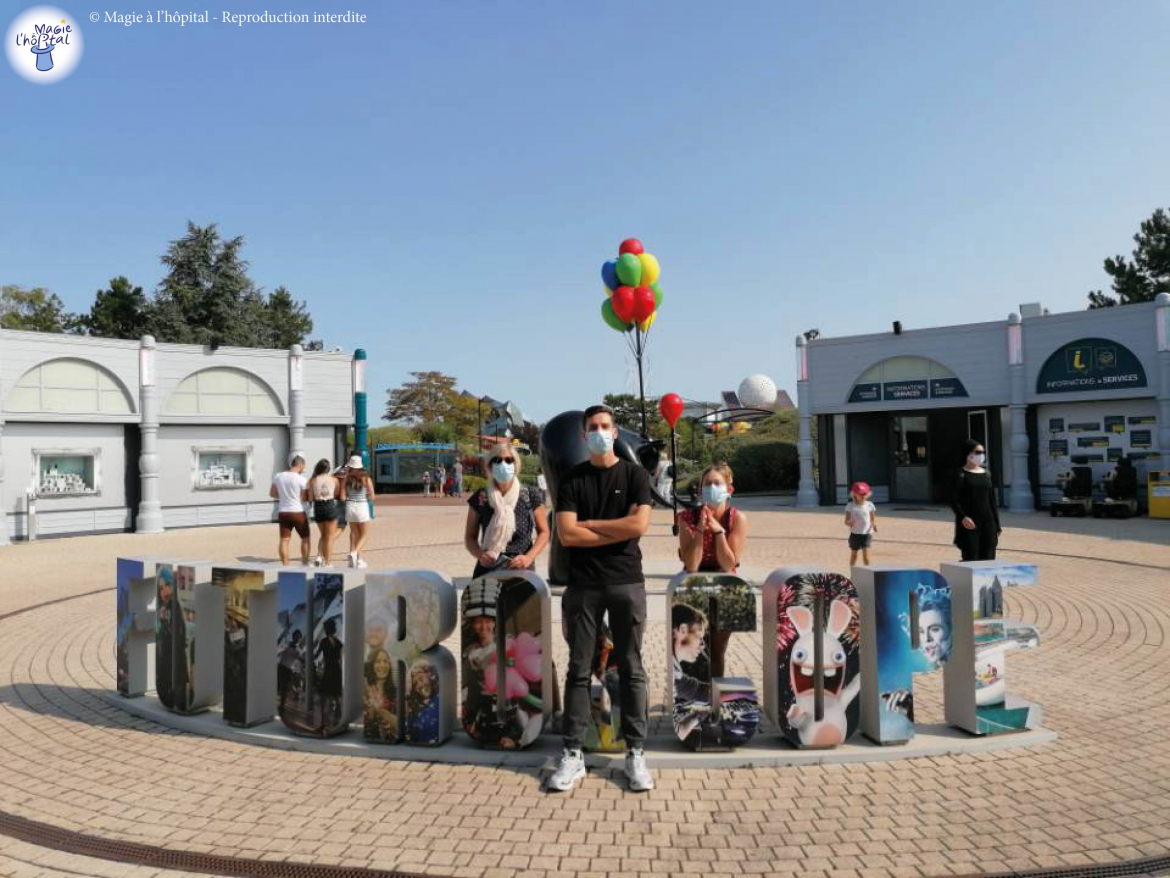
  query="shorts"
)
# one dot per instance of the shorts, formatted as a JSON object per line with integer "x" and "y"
{"x": 860, "y": 541}
{"x": 326, "y": 510}
{"x": 290, "y": 521}
{"x": 357, "y": 511}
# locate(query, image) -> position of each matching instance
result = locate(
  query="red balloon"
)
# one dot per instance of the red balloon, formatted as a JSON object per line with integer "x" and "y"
{"x": 631, "y": 245}
{"x": 643, "y": 303}
{"x": 623, "y": 303}
{"x": 671, "y": 407}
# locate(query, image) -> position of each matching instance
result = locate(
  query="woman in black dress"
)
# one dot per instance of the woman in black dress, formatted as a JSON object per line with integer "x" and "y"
{"x": 973, "y": 501}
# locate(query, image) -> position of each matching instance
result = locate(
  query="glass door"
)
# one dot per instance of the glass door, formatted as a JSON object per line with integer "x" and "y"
{"x": 911, "y": 449}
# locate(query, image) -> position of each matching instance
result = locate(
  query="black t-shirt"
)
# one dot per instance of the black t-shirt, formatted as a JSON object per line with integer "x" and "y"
{"x": 595, "y": 494}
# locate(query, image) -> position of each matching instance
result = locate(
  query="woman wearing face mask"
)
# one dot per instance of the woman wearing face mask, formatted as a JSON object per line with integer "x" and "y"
{"x": 973, "y": 501}
{"x": 507, "y": 524}
{"x": 711, "y": 540}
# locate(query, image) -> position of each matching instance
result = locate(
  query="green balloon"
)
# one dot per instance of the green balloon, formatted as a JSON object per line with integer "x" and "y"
{"x": 611, "y": 320}
{"x": 629, "y": 269}
{"x": 657, "y": 288}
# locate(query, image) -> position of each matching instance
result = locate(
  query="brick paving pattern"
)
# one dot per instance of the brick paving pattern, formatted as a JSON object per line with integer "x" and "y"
{"x": 1099, "y": 794}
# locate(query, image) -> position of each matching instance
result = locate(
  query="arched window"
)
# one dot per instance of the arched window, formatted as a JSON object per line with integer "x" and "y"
{"x": 70, "y": 385}
{"x": 223, "y": 391}
{"x": 905, "y": 378}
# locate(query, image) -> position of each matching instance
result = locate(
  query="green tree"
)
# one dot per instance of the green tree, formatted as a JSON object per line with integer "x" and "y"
{"x": 35, "y": 310}
{"x": 627, "y": 412}
{"x": 1148, "y": 274}
{"x": 207, "y": 297}
{"x": 118, "y": 312}
{"x": 429, "y": 398}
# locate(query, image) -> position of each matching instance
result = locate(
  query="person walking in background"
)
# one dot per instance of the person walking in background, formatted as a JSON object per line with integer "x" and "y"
{"x": 426, "y": 482}
{"x": 289, "y": 491}
{"x": 458, "y": 477}
{"x": 861, "y": 519}
{"x": 342, "y": 524}
{"x": 356, "y": 491}
{"x": 441, "y": 480}
{"x": 977, "y": 527}
{"x": 323, "y": 490}
{"x": 603, "y": 509}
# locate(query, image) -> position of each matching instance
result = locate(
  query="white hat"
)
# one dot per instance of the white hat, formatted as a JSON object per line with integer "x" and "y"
{"x": 355, "y": 462}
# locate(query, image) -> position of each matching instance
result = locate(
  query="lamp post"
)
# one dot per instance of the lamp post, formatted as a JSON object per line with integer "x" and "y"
{"x": 361, "y": 423}
{"x": 1162, "y": 339}
{"x": 296, "y": 394}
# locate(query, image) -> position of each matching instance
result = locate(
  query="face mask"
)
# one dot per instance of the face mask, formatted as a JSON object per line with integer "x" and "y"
{"x": 599, "y": 441}
{"x": 503, "y": 472}
{"x": 714, "y": 495}
{"x": 976, "y": 459}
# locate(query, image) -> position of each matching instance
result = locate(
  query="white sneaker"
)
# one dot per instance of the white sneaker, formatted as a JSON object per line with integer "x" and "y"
{"x": 570, "y": 769}
{"x": 361, "y": 562}
{"x": 352, "y": 556}
{"x": 637, "y": 772}
{"x": 318, "y": 561}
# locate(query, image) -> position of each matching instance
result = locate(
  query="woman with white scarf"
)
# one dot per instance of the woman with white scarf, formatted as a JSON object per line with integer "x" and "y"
{"x": 507, "y": 523}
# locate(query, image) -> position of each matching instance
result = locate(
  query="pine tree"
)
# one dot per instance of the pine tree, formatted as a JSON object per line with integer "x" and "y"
{"x": 1149, "y": 272}
{"x": 118, "y": 312}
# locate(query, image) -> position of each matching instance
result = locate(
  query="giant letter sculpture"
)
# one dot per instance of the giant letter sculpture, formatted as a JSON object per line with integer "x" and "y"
{"x": 409, "y": 613}
{"x": 975, "y": 679}
{"x": 318, "y": 653}
{"x": 811, "y": 655}
{"x": 249, "y": 642}
{"x": 905, "y": 630}
{"x": 188, "y": 659}
{"x": 507, "y": 658}
{"x": 135, "y": 630}
{"x": 708, "y": 711}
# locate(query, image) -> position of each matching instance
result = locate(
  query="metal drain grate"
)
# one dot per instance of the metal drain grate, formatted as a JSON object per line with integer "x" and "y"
{"x": 66, "y": 841}
{"x": 1146, "y": 868}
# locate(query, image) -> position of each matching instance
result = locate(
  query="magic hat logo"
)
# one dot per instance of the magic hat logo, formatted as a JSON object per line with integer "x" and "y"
{"x": 44, "y": 44}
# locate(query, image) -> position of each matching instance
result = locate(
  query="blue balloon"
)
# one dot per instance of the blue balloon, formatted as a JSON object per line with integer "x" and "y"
{"x": 609, "y": 275}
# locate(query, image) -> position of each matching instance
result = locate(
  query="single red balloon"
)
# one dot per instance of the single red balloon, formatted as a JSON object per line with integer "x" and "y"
{"x": 631, "y": 245}
{"x": 643, "y": 303}
{"x": 671, "y": 407}
{"x": 623, "y": 304}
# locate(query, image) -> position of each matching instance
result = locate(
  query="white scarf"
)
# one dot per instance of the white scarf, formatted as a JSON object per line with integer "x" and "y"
{"x": 502, "y": 526}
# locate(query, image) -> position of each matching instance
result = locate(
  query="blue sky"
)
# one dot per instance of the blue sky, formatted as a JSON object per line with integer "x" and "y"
{"x": 442, "y": 183}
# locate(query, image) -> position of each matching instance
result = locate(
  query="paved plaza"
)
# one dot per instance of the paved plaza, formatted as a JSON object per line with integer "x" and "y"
{"x": 1099, "y": 794}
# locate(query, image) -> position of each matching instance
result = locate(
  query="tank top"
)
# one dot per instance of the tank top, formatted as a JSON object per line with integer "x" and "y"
{"x": 355, "y": 495}
{"x": 324, "y": 488}
{"x": 710, "y": 560}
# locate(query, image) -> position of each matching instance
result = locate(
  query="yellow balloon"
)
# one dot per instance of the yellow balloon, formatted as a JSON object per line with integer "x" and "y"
{"x": 650, "y": 269}
{"x": 608, "y": 292}
{"x": 648, "y": 322}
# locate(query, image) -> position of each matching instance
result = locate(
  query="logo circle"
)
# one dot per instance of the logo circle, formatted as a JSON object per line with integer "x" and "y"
{"x": 44, "y": 44}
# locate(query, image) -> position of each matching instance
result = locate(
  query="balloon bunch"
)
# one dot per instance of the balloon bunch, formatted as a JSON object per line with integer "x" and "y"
{"x": 633, "y": 294}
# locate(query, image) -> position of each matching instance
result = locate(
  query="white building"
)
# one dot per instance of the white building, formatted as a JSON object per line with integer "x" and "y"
{"x": 110, "y": 435}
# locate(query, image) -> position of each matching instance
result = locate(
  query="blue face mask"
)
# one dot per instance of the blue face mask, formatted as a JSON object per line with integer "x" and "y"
{"x": 503, "y": 472}
{"x": 714, "y": 495}
{"x": 599, "y": 441}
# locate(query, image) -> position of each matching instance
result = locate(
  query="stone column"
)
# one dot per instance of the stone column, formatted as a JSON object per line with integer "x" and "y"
{"x": 150, "y": 517}
{"x": 3, "y": 509}
{"x": 296, "y": 407}
{"x": 806, "y": 493}
{"x": 1162, "y": 328}
{"x": 1020, "y": 497}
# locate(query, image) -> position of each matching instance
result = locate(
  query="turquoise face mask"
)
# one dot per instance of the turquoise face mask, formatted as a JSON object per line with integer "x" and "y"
{"x": 599, "y": 441}
{"x": 715, "y": 495}
{"x": 503, "y": 472}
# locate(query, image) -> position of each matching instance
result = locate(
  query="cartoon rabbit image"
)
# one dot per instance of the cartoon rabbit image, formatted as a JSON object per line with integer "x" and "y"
{"x": 834, "y": 727}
